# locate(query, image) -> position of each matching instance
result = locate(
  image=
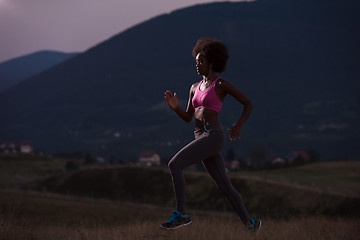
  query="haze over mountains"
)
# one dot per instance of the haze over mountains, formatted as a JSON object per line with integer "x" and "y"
{"x": 296, "y": 60}
{"x": 18, "y": 69}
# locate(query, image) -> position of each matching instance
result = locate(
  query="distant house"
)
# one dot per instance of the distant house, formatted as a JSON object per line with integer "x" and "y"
{"x": 277, "y": 159}
{"x": 232, "y": 165}
{"x": 235, "y": 164}
{"x": 100, "y": 160}
{"x": 298, "y": 156}
{"x": 25, "y": 147}
{"x": 8, "y": 147}
{"x": 149, "y": 158}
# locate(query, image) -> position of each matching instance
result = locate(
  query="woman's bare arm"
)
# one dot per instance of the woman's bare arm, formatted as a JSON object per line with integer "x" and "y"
{"x": 243, "y": 99}
{"x": 173, "y": 102}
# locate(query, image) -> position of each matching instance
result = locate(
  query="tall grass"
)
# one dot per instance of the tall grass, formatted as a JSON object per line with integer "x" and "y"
{"x": 202, "y": 229}
{"x": 340, "y": 178}
{"x": 296, "y": 203}
{"x": 30, "y": 216}
{"x": 142, "y": 185}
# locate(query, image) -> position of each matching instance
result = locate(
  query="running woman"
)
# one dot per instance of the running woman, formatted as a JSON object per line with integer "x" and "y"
{"x": 205, "y": 101}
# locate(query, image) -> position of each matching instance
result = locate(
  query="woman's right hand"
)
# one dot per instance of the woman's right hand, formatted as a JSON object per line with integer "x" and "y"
{"x": 172, "y": 100}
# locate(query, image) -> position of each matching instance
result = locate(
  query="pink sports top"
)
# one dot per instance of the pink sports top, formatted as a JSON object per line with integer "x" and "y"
{"x": 207, "y": 98}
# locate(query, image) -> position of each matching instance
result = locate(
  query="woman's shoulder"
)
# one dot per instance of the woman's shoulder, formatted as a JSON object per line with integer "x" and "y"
{"x": 194, "y": 86}
{"x": 222, "y": 83}
{"x": 225, "y": 86}
{"x": 196, "y": 83}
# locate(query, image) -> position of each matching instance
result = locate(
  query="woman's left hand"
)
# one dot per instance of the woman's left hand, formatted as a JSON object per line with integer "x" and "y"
{"x": 234, "y": 132}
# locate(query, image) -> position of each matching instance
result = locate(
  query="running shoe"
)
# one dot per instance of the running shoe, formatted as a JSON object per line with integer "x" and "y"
{"x": 255, "y": 226}
{"x": 176, "y": 220}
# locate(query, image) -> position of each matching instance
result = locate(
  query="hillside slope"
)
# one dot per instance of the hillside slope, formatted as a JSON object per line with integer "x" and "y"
{"x": 51, "y": 216}
{"x": 154, "y": 186}
{"x": 296, "y": 60}
{"x": 18, "y": 69}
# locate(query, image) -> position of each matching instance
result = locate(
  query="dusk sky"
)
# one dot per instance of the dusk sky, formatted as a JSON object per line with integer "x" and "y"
{"x": 27, "y": 26}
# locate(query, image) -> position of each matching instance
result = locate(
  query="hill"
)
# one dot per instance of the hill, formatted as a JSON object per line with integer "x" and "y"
{"x": 15, "y": 70}
{"x": 42, "y": 216}
{"x": 45, "y": 215}
{"x": 262, "y": 196}
{"x": 295, "y": 60}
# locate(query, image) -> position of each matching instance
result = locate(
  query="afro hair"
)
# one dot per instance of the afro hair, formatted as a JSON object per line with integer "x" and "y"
{"x": 215, "y": 52}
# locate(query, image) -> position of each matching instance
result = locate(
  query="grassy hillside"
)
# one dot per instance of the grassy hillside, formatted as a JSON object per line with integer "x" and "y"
{"x": 339, "y": 178}
{"x": 18, "y": 169}
{"x": 323, "y": 188}
{"x": 31, "y": 215}
{"x": 281, "y": 193}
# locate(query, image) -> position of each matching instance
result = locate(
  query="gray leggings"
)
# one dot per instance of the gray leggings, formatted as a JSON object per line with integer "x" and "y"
{"x": 206, "y": 148}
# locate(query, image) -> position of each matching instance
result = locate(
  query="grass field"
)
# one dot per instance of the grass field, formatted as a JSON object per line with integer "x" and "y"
{"x": 18, "y": 169}
{"x": 32, "y": 215}
{"x": 314, "y": 201}
{"x": 341, "y": 178}
{"x": 275, "y": 194}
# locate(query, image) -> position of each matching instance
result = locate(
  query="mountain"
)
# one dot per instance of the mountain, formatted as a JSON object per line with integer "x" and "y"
{"x": 15, "y": 70}
{"x": 296, "y": 60}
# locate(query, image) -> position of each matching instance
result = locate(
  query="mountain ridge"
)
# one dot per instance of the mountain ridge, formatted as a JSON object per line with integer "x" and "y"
{"x": 13, "y": 71}
{"x": 282, "y": 56}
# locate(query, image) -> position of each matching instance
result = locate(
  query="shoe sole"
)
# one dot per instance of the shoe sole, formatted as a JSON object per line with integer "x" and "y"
{"x": 173, "y": 228}
{"x": 258, "y": 230}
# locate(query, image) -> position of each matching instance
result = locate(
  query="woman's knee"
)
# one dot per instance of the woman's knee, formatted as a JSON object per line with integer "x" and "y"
{"x": 173, "y": 165}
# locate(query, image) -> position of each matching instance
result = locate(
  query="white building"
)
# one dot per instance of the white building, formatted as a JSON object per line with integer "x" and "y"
{"x": 25, "y": 147}
{"x": 149, "y": 159}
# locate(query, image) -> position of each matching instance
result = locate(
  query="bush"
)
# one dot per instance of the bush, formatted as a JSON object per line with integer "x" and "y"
{"x": 71, "y": 166}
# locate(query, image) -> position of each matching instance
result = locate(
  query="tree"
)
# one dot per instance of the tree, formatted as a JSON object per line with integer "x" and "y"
{"x": 314, "y": 155}
{"x": 258, "y": 156}
{"x": 89, "y": 159}
{"x": 71, "y": 166}
{"x": 230, "y": 155}
{"x": 112, "y": 160}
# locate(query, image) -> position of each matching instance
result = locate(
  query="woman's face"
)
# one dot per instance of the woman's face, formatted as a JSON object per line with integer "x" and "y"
{"x": 202, "y": 65}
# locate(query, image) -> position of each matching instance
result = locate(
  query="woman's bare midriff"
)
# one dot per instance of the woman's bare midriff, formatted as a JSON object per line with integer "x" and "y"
{"x": 205, "y": 116}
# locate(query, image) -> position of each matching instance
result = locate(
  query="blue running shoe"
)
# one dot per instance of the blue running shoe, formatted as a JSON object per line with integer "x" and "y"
{"x": 255, "y": 226}
{"x": 176, "y": 220}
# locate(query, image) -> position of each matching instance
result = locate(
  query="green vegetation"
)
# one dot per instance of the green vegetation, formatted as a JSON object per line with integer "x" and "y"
{"x": 32, "y": 215}
{"x": 21, "y": 168}
{"x": 154, "y": 186}
{"x": 113, "y": 202}
{"x": 313, "y": 189}
{"x": 340, "y": 178}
